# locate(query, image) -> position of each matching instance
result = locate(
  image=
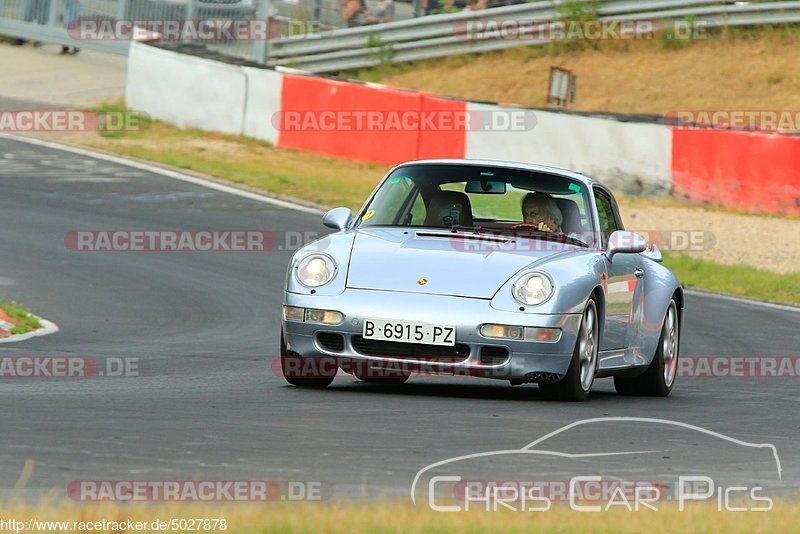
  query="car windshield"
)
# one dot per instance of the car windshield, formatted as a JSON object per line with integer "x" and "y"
{"x": 481, "y": 198}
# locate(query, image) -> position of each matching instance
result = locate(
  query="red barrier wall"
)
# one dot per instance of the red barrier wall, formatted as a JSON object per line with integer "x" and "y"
{"x": 443, "y": 143}
{"x": 757, "y": 172}
{"x": 318, "y": 97}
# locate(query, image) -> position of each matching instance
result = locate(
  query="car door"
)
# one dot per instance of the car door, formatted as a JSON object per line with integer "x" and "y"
{"x": 624, "y": 272}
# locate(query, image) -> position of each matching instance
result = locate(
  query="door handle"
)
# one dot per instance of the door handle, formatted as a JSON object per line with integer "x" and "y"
{"x": 638, "y": 272}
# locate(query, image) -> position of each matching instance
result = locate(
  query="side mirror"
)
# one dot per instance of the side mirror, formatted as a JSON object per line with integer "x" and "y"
{"x": 653, "y": 253}
{"x": 338, "y": 218}
{"x": 624, "y": 242}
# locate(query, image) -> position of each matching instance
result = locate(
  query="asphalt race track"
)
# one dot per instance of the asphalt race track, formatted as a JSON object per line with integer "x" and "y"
{"x": 205, "y": 327}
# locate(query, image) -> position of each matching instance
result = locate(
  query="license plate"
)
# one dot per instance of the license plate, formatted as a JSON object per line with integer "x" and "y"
{"x": 408, "y": 332}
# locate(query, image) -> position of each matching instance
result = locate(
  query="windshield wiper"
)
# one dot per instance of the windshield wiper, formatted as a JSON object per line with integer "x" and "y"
{"x": 559, "y": 237}
{"x": 456, "y": 227}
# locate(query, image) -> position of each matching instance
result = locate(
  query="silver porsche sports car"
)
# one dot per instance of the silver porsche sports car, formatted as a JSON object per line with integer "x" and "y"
{"x": 483, "y": 268}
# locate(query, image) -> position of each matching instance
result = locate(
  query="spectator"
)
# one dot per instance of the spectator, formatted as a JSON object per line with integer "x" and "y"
{"x": 475, "y": 5}
{"x": 72, "y": 9}
{"x": 354, "y": 12}
{"x": 431, "y": 7}
{"x": 38, "y": 10}
{"x": 384, "y": 13}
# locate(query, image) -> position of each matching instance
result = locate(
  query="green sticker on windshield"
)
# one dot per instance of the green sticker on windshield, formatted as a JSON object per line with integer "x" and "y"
{"x": 575, "y": 187}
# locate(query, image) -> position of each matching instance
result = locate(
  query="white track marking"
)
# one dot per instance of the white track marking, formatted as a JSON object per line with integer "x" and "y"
{"x": 165, "y": 172}
{"x": 742, "y": 300}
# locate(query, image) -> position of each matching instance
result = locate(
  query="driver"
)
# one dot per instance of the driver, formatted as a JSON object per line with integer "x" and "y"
{"x": 540, "y": 212}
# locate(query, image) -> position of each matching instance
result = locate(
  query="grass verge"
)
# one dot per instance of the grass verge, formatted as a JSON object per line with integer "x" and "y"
{"x": 739, "y": 280}
{"x": 318, "y": 179}
{"x": 347, "y": 518}
{"x": 651, "y": 76}
{"x": 22, "y": 319}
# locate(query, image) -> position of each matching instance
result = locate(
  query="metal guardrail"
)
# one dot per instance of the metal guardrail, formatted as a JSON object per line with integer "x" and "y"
{"x": 437, "y": 36}
{"x": 47, "y": 20}
{"x": 323, "y": 50}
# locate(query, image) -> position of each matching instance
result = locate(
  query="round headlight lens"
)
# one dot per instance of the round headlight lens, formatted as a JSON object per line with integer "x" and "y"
{"x": 533, "y": 289}
{"x": 315, "y": 270}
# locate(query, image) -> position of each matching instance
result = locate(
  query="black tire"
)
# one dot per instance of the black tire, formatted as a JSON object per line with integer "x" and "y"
{"x": 571, "y": 387}
{"x": 654, "y": 382}
{"x": 307, "y": 372}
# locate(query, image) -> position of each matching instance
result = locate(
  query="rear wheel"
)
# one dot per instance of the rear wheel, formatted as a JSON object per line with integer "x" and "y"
{"x": 577, "y": 383}
{"x": 311, "y": 372}
{"x": 659, "y": 378}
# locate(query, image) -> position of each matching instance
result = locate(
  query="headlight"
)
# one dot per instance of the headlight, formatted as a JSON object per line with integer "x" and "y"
{"x": 533, "y": 289}
{"x": 315, "y": 270}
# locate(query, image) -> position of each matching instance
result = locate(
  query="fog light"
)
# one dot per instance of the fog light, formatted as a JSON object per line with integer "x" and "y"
{"x": 501, "y": 331}
{"x": 548, "y": 335}
{"x": 291, "y": 313}
{"x": 324, "y": 316}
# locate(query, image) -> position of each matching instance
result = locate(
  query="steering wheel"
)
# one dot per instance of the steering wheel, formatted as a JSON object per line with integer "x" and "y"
{"x": 540, "y": 227}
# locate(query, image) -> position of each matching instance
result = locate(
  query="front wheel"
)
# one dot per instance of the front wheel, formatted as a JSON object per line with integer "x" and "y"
{"x": 307, "y": 372}
{"x": 577, "y": 383}
{"x": 659, "y": 378}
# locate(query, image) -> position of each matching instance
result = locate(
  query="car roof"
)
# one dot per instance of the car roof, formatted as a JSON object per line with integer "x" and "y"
{"x": 507, "y": 164}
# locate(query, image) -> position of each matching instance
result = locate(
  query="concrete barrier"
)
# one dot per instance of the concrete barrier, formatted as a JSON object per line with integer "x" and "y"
{"x": 365, "y": 121}
{"x": 627, "y": 156}
{"x": 756, "y": 172}
{"x": 753, "y": 171}
{"x": 263, "y": 104}
{"x": 184, "y": 90}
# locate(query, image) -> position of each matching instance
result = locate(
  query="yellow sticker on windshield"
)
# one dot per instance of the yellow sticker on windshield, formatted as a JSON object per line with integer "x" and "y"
{"x": 368, "y": 215}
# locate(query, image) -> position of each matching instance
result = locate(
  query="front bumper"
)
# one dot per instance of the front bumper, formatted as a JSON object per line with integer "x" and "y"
{"x": 527, "y": 361}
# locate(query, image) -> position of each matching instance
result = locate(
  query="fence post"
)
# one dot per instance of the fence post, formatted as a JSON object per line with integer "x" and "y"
{"x": 51, "y": 14}
{"x": 122, "y": 9}
{"x": 261, "y": 51}
{"x": 317, "y": 13}
{"x": 190, "y": 9}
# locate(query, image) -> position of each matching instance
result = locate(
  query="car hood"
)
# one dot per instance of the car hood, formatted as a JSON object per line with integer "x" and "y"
{"x": 451, "y": 264}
